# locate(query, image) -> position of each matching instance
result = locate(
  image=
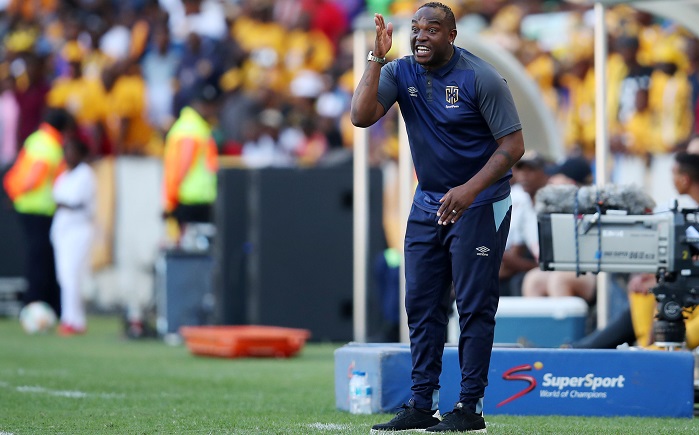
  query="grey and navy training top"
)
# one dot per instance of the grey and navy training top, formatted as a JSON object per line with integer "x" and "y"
{"x": 453, "y": 115}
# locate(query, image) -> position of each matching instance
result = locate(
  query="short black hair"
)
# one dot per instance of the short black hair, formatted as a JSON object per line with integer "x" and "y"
{"x": 688, "y": 164}
{"x": 448, "y": 13}
{"x": 59, "y": 118}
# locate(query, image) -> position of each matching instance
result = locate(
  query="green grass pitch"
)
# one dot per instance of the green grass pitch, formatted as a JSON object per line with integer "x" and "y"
{"x": 101, "y": 383}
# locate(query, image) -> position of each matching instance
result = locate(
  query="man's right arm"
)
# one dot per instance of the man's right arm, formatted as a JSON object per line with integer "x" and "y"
{"x": 366, "y": 109}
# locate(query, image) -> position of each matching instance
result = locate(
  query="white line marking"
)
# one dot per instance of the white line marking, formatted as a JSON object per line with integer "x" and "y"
{"x": 66, "y": 393}
{"x": 328, "y": 426}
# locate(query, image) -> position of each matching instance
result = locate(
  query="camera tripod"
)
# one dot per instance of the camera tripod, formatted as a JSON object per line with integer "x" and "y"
{"x": 673, "y": 294}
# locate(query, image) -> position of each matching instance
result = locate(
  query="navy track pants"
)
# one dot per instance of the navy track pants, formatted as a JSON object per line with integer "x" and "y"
{"x": 467, "y": 254}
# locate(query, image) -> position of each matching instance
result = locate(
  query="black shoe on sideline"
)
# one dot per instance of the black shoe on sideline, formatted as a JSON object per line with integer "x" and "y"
{"x": 409, "y": 418}
{"x": 460, "y": 420}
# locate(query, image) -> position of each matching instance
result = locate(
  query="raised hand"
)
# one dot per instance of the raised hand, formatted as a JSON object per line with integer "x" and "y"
{"x": 384, "y": 36}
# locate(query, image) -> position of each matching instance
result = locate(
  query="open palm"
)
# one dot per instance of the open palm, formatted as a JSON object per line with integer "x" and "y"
{"x": 384, "y": 36}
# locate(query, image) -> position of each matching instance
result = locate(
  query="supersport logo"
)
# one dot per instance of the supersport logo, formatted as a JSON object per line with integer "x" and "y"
{"x": 510, "y": 376}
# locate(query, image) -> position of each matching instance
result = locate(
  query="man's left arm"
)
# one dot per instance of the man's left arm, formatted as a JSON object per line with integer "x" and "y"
{"x": 509, "y": 151}
{"x": 498, "y": 109}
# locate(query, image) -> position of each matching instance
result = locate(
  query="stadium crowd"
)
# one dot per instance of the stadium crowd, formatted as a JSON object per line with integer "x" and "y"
{"x": 284, "y": 73}
{"x": 284, "y": 69}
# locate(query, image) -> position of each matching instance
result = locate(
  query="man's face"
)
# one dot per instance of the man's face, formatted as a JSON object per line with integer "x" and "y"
{"x": 531, "y": 178}
{"x": 679, "y": 179}
{"x": 431, "y": 38}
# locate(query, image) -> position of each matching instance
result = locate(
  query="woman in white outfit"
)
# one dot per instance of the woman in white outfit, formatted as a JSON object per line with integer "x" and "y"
{"x": 72, "y": 232}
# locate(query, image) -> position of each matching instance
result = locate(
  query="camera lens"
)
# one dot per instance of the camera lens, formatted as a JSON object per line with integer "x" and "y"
{"x": 669, "y": 331}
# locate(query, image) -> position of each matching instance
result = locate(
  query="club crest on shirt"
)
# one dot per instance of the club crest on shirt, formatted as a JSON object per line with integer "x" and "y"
{"x": 452, "y": 96}
{"x": 412, "y": 90}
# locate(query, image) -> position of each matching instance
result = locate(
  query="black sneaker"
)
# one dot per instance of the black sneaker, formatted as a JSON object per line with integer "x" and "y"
{"x": 460, "y": 420}
{"x": 409, "y": 418}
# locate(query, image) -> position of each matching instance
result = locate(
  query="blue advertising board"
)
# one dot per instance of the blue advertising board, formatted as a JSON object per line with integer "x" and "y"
{"x": 591, "y": 382}
{"x": 537, "y": 381}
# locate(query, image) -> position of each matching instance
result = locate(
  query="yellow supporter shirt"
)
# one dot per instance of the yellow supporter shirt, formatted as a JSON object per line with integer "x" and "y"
{"x": 586, "y": 113}
{"x": 580, "y": 115}
{"x": 127, "y": 103}
{"x": 616, "y": 72}
{"x": 253, "y": 34}
{"x": 670, "y": 98}
{"x": 641, "y": 133}
{"x": 266, "y": 43}
{"x": 308, "y": 50}
{"x": 542, "y": 70}
{"x": 83, "y": 97}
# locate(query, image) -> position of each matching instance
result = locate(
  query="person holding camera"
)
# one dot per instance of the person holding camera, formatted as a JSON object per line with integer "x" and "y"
{"x": 576, "y": 171}
{"x": 642, "y": 302}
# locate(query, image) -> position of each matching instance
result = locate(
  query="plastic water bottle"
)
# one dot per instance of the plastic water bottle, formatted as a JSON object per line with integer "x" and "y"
{"x": 359, "y": 393}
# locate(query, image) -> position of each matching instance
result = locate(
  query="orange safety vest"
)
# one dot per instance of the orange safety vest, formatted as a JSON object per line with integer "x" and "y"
{"x": 29, "y": 182}
{"x": 190, "y": 162}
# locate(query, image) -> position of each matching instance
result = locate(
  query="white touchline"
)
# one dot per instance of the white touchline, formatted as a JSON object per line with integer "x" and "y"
{"x": 328, "y": 426}
{"x": 33, "y": 389}
{"x": 66, "y": 393}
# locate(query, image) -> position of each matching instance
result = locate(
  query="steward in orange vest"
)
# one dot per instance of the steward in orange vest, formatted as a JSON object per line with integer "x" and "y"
{"x": 29, "y": 184}
{"x": 190, "y": 164}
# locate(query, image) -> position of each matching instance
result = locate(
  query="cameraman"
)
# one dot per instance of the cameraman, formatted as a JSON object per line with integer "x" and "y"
{"x": 537, "y": 282}
{"x": 685, "y": 177}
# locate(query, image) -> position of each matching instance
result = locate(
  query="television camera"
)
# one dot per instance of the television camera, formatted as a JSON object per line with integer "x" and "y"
{"x": 592, "y": 238}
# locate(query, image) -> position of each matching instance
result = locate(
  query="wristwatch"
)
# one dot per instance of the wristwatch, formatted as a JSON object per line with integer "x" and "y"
{"x": 372, "y": 58}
